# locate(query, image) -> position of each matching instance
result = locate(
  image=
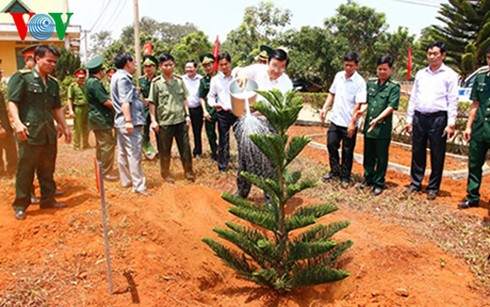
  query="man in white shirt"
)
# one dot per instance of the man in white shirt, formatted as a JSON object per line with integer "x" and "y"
{"x": 192, "y": 80}
{"x": 347, "y": 93}
{"x": 431, "y": 116}
{"x": 268, "y": 76}
{"x": 219, "y": 98}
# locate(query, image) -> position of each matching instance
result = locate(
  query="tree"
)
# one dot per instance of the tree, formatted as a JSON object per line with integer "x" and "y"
{"x": 315, "y": 54}
{"x": 99, "y": 42}
{"x": 274, "y": 257}
{"x": 190, "y": 47}
{"x": 67, "y": 64}
{"x": 261, "y": 24}
{"x": 362, "y": 27}
{"x": 466, "y": 22}
{"x": 396, "y": 44}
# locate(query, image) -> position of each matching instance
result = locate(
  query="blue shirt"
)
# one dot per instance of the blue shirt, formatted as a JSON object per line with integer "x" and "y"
{"x": 123, "y": 90}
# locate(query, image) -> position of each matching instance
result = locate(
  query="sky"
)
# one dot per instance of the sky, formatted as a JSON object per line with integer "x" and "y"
{"x": 219, "y": 17}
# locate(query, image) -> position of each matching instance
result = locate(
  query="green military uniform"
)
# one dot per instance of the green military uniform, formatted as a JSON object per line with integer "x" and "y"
{"x": 170, "y": 113}
{"x": 480, "y": 136}
{"x": 211, "y": 125}
{"x": 36, "y": 103}
{"x": 100, "y": 117}
{"x": 377, "y": 141}
{"x": 7, "y": 144}
{"x": 76, "y": 93}
{"x": 144, "y": 84}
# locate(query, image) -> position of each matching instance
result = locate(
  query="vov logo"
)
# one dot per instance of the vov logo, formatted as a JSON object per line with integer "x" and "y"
{"x": 41, "y": 26}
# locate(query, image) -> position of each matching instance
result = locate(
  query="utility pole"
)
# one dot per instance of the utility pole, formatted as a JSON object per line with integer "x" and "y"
{"x": 137, "y": 40}
{"x": 86, "y": 45}
{"x": 67, "y": 39}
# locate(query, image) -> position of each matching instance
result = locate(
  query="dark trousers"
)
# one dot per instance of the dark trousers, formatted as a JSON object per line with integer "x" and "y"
{"x": 104, "y": 148}
{"x": 196, "y": 121}
{"x": 476, "y": 159}
{"x": 226, "y": 120}
{"x": 335, "y": 136}
{"x": 8, "y": 146}
{"x": 166, "y": 135}
{"x": 375, "y": 161}
{"x": 428, "y": 127}
{"x": 41, "y": 160}
{"x": 212, "y": 135}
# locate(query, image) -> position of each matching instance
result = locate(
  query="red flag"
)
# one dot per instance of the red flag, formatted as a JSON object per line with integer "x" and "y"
{"x": 216, "y": 53}
{"x": 147, "y": 49}
{"x": 409, "y": 63}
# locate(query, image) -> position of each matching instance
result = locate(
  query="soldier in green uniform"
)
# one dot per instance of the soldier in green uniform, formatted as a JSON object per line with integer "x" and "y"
{"x": 383, "y": 95}
{"x": 101, "y": 117}
{"x": 149, "y": 66}
{"x": 209, "y": 113}
{"x": 7, "y": 142}
{"x": 170, "y": 117}
{"x": 78, "y": 109}
{"x": 34, "y": 102}
{"x": 478, "y": 134}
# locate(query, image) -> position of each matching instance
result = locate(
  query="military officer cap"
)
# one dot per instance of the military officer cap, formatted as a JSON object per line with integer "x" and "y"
{"x": 29, "y": 51}
{"x": 206, "y": 58}
{"x": 148, "y": 59}
{"x": 95, "y": 64}
{"x": 80, "y": 73}
{"x": 264, "y": 52}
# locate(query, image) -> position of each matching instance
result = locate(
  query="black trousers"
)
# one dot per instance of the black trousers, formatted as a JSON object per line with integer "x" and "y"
{"x": 197, "y": 122}
{"x": 428, "y": 127}
{"x": 335, "y": 136}
{"x": 226, "y": 120}
{"x": 166, "y": 135}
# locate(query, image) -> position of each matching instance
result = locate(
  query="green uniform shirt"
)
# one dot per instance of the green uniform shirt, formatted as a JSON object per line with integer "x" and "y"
{"x": 76, "y": 93}
{"x": 203, "y": 91}
{"x": 480, "y": 130}
{"x": 168, "y": 100}
{"x": 379, "y": 97}
{"x": 36, "y": 103}
{"x": 144, "y": 84}
{"x": 4, "y": 118}
{"x": 99, "y": 116}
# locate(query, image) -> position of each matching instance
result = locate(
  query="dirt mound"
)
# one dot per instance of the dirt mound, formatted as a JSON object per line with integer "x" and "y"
{"x": 158, "y": 258}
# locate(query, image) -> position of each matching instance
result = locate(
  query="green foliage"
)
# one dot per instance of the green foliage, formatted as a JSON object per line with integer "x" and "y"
{"x": 261, "y": 24}
{"x": 67, "y": 64}
{"x": 190, "y": 47}
{"x": 273, "y": 257}
{"x": 465, "y": 22}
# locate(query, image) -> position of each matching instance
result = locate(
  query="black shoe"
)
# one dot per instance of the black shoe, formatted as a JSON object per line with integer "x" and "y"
{"x": 35, "y": 200}
{"x": 20, "y": 215}
{"x": 169, "y": 179}
{"x": 467, "y": 204}
{"x": 190, "y": 177}
{"x": 344, "y": 184}
{"x": 377, "y": 191}
{"x": 362, "y": 185}
{"x": 411, "y": 189}
{"x": 328, "y": 176}
{"x": 110, "y": 177}
{"x": 53, "y": 205}
{"x": 431, "y": 195}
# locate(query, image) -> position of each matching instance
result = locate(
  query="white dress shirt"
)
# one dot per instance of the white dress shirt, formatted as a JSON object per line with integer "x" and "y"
{"x": 193, "y": 87}
{"x": 433, "y": 92}
{"x": 348, "y": 93}
{"x": 219, "y": 91}
{"x": 259, "y": 74}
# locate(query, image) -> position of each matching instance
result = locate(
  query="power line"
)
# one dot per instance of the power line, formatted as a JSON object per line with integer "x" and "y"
{"x": 419, "y": 3}
{"x": 117, "y": 13}
{"x": 104, "y": 10}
